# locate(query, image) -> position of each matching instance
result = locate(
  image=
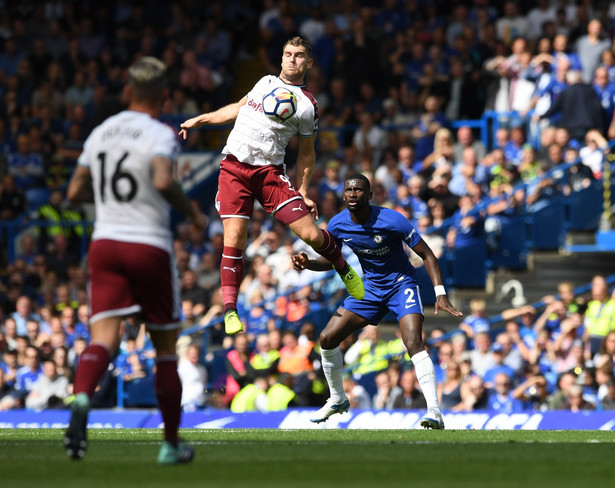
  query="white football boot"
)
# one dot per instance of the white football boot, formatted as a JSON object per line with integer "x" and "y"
{"x": 329, "y": 409}
{"x": 432, "y": 420}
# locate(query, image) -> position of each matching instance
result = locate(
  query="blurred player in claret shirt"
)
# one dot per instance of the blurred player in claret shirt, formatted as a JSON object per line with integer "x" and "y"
{"x": 127, "y": 168}
{"x": 253, "y": 169}
{"x": 377, "y": 236}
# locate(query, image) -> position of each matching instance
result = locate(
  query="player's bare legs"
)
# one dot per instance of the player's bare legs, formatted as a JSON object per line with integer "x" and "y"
{"x": 93, "y": 363}
{"x": 411, "y": 327}
{"x": 169, "y": 392}
{"x": 323, "y": 243}
{"x": 341, "y": 325}
{"x": 231, "y": 270}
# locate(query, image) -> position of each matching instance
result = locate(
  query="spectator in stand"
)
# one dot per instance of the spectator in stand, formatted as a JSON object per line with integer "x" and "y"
{"x": 53, "y": 213}
{"x": 418, "y": 194}
{"x": 193, "y": 376}
{"x": 331, "y": 181}
{"x": 406, "y": 162}
{"x": 280, "y": 395}
{"x": 476, "y": 321}
{"x": 465, "y": 140}
{"x": 449, "y": 390}
{"x": 237, "y": 367}
{"x": 208, "y": 273}
{"x": 512, "y": 357}
{"x": 24, "y": 312}
{"x": 8, "y": 397}
{"x": 498, "y": 368}
{"x": 513, "y": 150}
{"x": 12, "y": 199}
{"x": 25, "y": 166}
{"x": 575, "y": 401}
{"x": 265, "y": 359}
{"x": 474, "y": 395}
{"x": 442, "y": 156}
{"x": 467, "y": 225}
{"x": 599, "y": 315}
{"x": 430, "y": 121}
{"x": 590, "y": 48}
{"x": 383, "y": 399}
{"x": 521, "y": 339}
{"x": 533, "y": 393}
{"x": 511, "y": 24}
{"x": 434, "y": 240}
{"x": 368, "y": 353}
{"x": 266, "y": 283}
{"x": 28, "y": 374}
{"x": 482, "y": 357}
{"x": 190, "y": 290}
{"x": 49, "y": 390}
{"x": 410, "y": 396}
{"x": 369, "y": 140}
{"x": 592, "y": 154}
{"x": 438, "y": 191}
{"x": 252, "y": 397}
{"x": 607, "y": 350}
{"x": 559, "y": 398}
{"x": 357, "y": 395}
{"x": 299, "y": 359}
{"x": 580, "y": 107}
{"x": 339, "y": 110}
{"x": 9, "y": 366}
{"x": 605, "y": 90}
{"x": 608, "y": 401}
{"x": 60, "y": 359}
{"x": 501, "y": 398}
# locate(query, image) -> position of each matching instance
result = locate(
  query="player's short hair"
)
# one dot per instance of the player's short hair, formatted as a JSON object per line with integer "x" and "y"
{"x": 360, "y": 176}
{"x": 147, "y": 78}
{"x": 300, "y": 41}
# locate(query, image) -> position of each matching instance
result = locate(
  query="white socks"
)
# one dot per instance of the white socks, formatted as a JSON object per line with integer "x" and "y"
{"x": 426, "y": 375}
{"x": 332, "y": 362}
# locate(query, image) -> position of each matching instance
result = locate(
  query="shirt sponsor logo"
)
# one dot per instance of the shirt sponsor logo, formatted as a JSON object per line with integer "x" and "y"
{"x": 256, "y": 106}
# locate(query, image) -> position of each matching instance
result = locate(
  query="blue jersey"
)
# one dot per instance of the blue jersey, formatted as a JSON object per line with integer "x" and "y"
{"x": 390, "y": 279}
{"x": 378, "y": 244}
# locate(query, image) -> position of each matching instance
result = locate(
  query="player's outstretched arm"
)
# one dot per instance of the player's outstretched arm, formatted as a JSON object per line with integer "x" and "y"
{"x": 80, "y": 187}
{"x": 433, "y": 269}
{"x": 305, "y": 166}
{"x": 301, "y": 262}
{"x": 171, "y": 190}
{"x": 223, "y": 115}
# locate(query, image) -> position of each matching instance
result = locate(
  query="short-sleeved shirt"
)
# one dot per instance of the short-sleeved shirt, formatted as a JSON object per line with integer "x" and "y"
{"x": 390, "y": 280}
{"x": 379, "y": 244}
{"x": 259, "y": 140}
{"x": 119, "y": 155}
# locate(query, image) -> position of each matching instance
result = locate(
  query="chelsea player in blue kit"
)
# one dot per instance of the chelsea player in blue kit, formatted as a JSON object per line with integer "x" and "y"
{"x": 377, "y": 236}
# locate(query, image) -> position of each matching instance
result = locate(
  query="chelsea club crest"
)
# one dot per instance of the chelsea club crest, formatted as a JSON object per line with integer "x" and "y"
{"x": 377, "y": 239}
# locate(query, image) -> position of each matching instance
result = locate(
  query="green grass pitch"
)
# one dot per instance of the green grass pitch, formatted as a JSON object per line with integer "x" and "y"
{"x": 314, "y": 458}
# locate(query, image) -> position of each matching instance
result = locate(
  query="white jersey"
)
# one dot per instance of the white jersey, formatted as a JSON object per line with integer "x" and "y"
{"x": 256, "y": 139}
{"x": 119, "y": 155}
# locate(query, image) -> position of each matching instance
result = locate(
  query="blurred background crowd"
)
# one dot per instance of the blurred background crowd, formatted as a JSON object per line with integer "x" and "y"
{"x": 390, "y": 77}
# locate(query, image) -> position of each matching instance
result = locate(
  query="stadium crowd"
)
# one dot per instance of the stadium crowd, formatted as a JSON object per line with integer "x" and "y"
{"x": 389, "y": 77}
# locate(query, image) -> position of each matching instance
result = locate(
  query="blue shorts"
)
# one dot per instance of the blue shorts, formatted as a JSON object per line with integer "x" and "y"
{"x": 401, "y": 298}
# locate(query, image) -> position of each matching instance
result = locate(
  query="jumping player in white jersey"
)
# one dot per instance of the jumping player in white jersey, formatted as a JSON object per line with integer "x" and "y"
{"x": 253, "y": 169}
{"x": 377, "y": 236}
{"x": 127, "y": 169}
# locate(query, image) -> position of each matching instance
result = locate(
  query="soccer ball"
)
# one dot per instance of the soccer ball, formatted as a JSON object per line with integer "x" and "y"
{"x": 280, "y": 104}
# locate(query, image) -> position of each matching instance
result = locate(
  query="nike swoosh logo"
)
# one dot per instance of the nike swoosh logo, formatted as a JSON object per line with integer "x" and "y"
{"x": 346, "y": 240}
